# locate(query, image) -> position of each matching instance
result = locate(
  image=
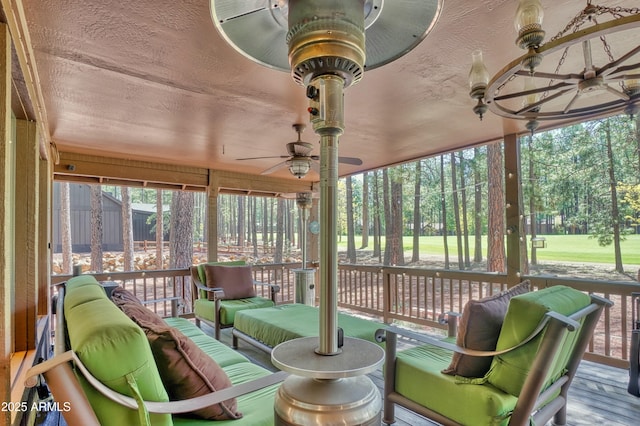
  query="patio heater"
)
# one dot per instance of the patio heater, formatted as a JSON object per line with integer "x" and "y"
{"x": 322, "y": 44}
{"x": 304, "y": 277}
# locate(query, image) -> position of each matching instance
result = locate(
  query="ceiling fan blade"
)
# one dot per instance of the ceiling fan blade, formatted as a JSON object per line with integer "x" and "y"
{"x": 274, "y": 168}
{"x": 260, "y": 158}
{"x": 350, "y": 160}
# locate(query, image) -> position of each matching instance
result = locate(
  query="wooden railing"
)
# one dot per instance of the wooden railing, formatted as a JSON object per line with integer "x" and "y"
{"x": 415, "y": 297}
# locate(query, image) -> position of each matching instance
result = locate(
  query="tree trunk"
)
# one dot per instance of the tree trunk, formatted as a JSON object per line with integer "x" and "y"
{"x": 159, "y": 230}
{"x": 387, "y": 216}
{"x": 181, "y": 236}
{"x": 615, "y": 213}
{"x": 127, "y": 230}
{"x": 417, "y": 214}
{"x": 65, "y": 223}
{"x": 465, "y": 224}
{"x": 377, "y": 228}
{"x": 495, "y": 238}
{"x": 351, "y": 242}
{"x": 456, "y": 210}
{"x": 365, "y": 210}
{"x": 477, "y": 210}
{"x": 271, "y": 216}
{"x": 254, "y": 225}
{"x": 240, "y": 224}
{"x": 277, "y": 257}
{"x": 96, "y": 228}
{"x": 532, "y": 202}
{"x": 444, "y": 215}
{"x": 396, "y": 224}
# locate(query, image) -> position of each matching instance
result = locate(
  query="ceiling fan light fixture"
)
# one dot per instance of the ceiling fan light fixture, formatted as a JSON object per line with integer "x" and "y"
{"x": 299, "y": 167}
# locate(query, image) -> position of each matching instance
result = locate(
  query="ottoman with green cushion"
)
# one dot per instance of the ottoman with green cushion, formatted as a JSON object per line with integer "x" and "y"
{"x": 490, "y": 400}
{"x": 229, "y": 308}
{"x": 272, "y": 326}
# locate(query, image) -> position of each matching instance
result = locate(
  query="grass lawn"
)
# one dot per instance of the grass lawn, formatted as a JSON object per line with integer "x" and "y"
{"x": 562, "y": 248}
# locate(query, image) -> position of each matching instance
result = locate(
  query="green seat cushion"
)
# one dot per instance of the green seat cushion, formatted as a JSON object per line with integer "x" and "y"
{"x": 509, "y": 371}
{"x": 229, "y": 308}
{"x": 221, "y": 353}
{"x": 185, "y": 326}
{"x": 275, "y": 325}
{"x": 256, "y": 407}
{"x": 419, "y": 378}
{"x": 113, "y": 347}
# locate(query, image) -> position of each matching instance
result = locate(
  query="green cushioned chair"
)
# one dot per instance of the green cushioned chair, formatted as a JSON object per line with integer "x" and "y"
{"x": 214, "y": 309}
{"x": 541, "y": 342}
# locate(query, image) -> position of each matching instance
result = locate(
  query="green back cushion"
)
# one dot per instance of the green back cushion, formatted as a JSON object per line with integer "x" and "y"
{"x": 509, "y": 371}
{"x": 112, "y": 346}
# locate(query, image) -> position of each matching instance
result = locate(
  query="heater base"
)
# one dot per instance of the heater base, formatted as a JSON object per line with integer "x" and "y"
{"x": 302, "y": 401}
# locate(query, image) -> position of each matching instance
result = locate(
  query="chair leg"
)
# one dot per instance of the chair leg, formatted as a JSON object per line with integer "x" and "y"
{"x": 560, "y": 418}
{"x": 389, "y": 416}
{"x": 198, "y": 323}
{"x": 234, "y": 341}
{"x": 389, "y": 377}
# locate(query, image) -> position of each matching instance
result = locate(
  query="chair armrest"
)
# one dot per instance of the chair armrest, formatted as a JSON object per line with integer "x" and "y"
{"x": 274, "y": 287}
{"x": 171, "y": 407}
{"x": 218, "y": 293}
{"x": 382, "y": 335}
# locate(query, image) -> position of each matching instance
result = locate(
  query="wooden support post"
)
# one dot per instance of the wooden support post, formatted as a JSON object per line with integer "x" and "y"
{"x": 26, "y": 235}
{"x": 43, "y": 249}
{"x": 7, "y": 192}
{"x": 516, "y": 235}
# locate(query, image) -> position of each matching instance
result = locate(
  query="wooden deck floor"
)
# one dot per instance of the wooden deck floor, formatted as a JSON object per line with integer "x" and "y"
{"x": 598, "y": 395}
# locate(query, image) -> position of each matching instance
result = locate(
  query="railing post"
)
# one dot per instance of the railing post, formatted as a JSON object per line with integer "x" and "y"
{"x": 386, "y": 295}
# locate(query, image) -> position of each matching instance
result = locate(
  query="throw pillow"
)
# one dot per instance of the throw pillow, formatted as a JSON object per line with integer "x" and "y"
{"x": 479, "y": 329}
{"x": 121, "y": 295}
{"x": 235, "y": 281}
{"x": 134, "y": 309}
{"x": 187, "y": 371}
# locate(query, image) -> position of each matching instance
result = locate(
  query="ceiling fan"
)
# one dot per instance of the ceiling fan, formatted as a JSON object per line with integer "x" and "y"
{"x": 300, "y": 160}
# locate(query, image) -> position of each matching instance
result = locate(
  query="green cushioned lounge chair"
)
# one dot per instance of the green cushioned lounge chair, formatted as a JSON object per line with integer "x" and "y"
{"x": 212, "y": 306}
{"x": 541, "y": 342}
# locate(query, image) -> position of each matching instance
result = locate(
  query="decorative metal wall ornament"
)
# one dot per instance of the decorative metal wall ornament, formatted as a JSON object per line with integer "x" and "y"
{"x": 601, "y": 84}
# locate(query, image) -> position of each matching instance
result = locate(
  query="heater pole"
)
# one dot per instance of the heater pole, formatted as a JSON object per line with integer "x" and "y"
{"x": 328, "y": 123}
